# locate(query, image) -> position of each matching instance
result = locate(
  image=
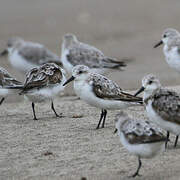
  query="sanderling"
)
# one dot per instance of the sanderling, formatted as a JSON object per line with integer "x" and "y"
{"x": 75, "y": 53}
{"x": 6, "y": 82}
{"x": 171, "y": 41}
{"x": 43, "y": 83}
{"x": 25, "y": 55}
{"x": 139, "y": 137}
{"x": 162, "y": 105}
{"x": 99, "y": 91}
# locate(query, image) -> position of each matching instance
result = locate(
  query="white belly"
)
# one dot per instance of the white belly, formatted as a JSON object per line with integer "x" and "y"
{"x": 4, "y": 92}
{"x": 173, "y": 58}
{"x": 84, "y": 91}
{"x": 164, "y": 124}
{"x": 44, "y": 94}
{"x": 147, "y": 150}
{"x": 20, "y": 63}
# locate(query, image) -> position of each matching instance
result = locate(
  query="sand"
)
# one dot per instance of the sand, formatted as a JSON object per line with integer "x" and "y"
{"x": 70, "y": 147}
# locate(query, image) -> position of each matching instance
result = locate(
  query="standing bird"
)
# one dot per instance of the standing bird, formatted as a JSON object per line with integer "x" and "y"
{"x": 139, "y": 137}
{"x": 24, "y": 55}
{"x": 6, "y": 82}
{"x": 75, "y": 53}
{"x": 43, "y": 84}
{"x": 99, "y": 91}
{"x": 171, "y": 41}
{"x": 162, "y": 105}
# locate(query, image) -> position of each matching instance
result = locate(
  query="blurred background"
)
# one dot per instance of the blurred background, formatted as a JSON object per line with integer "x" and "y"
{"x": 120, "y": 28}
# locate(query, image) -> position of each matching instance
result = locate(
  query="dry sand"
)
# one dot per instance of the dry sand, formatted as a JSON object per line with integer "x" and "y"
{"x": 120, "y": 29}
{"x": 70, "y": 147}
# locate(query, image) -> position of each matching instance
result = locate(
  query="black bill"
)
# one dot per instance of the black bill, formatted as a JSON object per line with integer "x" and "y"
{"x": 115, "y": 131}
{"x": 158, "y": 44}
{"x": 69, "y": 80}
{"x": 139, "y": 91}
{"x": 3, "y": 53}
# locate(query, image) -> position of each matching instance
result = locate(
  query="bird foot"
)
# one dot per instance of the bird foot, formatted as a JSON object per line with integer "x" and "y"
{"x": 134, "y": 175}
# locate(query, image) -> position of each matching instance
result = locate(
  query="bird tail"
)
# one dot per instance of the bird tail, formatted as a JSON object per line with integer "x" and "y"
{"x": 132, "y": 98}
{"x": 14, "y": 87}
{"x": 113, "y": 63}
{"x": 116, "y": 64}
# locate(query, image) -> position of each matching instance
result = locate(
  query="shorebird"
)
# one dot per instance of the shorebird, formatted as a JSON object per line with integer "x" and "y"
{"x": 25, "y": 55}
{"x": 100, "y": 92}
{"x": 43, "y": 84}
{"x": 171, "y": 41}
{"x": 75, "y": 53}
{"x": 7, "y": 81}
{"x": 139, "y": 137}
{"x": 162, "y": 105}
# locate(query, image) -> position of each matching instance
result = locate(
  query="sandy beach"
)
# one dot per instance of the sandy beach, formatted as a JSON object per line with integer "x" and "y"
{"x": 71, "y": 147}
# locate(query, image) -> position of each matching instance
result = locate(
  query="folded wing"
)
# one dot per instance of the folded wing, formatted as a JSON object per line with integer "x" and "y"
{"x": 107, "y": 89}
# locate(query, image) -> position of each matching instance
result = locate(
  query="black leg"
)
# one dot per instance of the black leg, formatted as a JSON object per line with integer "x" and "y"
{"x": 101, "y": 117}
{"x": 167, "y": 139}
{"x": 104, "y": 118}
{"x": 52, "y": 107}
{"x": 2, "y": 100}
{"x": 34, "y": 111}
{"x": 176, "y": 140}
{"x": 139, "y": 166}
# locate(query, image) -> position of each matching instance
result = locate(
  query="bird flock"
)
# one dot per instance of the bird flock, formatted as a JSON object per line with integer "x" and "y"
{"x": 46, "y": 76}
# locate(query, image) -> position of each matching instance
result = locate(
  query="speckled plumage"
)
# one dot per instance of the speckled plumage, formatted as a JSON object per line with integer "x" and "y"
{"x": 139, "y": 137}
{"x": 46, "y": 75}
{"x": 42, "y": 84}
{"x": 140, "y": 131}
{"x": 162, "y": 105}
{"x": 100, "y": 92}
{"x": 6, "y": 80}
{"x": 166, "y": 104}
{"x": 108, "y": 89}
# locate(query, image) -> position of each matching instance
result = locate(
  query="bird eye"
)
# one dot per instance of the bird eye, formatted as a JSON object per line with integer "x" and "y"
{"x": 150, "y": 82}
{"x": 164, "y": 36}
{"x": 80, "y": 72}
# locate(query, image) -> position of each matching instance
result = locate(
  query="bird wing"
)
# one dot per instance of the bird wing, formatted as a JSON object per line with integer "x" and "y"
{"x": 140, "y": 132}
{"x": 92, "y": 57}
{"x": 107, "y": 89}
{"x": 6, "y": 80}
{"x": 166, "y": 103}
{"x": 46, "y": 75}
{"x": 37, "y": 54}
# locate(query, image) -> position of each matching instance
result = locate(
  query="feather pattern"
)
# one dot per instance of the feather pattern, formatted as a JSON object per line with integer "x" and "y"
{"x": 46, "y": 75}
{"x": 108, "y": 89}
{"x": 167, "y": 104}
{"x": 140, "y": 132}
